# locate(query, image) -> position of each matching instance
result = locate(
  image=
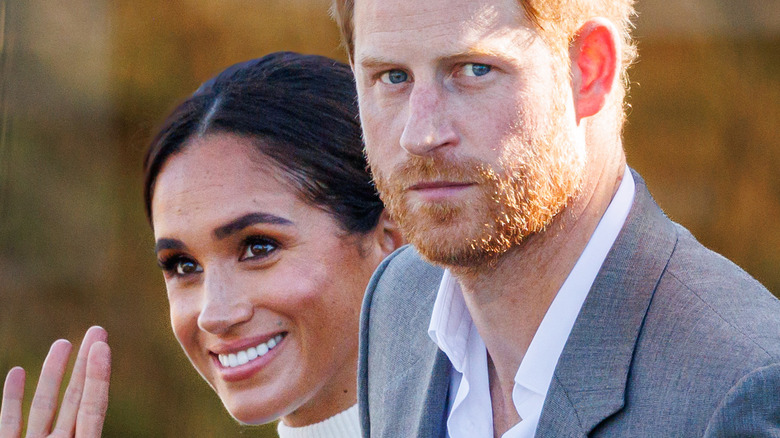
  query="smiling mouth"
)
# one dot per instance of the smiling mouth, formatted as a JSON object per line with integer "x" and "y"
{"x": 243, "y": 357}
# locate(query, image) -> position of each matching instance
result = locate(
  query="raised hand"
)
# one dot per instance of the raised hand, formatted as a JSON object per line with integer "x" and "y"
{"x": 84, "y": 404}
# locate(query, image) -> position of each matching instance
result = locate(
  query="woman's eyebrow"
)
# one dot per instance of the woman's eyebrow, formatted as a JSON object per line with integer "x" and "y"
{"x": 163, "y": 244}
{"x": 247, "y": 220}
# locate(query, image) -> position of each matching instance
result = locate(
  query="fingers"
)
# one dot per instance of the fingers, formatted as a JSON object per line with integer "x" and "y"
{"x": 11, "y": 411}
{"x": 92, "y": 411}
{"x": 44, "y": 403}
{"x": 86, "y": 398}
{"x": 66, "y": 420}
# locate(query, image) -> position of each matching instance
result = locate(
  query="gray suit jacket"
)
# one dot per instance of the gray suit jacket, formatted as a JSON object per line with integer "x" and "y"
{"x": 673, "y": 340}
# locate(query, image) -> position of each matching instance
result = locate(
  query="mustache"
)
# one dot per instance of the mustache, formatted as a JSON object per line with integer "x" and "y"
{"x": 424, "y": 169}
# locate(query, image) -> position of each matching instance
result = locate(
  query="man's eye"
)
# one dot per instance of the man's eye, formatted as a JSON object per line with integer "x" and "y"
{"x": 186, "y": 267}
{"x": 258, "y": 248}
{"x": 394, "y": 77}
{"x": 472, "y": 69}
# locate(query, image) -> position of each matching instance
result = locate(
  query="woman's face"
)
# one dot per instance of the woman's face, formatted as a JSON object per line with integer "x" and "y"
{"x": 264, "y": 289}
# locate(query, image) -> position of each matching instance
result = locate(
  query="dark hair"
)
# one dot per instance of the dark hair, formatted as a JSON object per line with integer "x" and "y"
{"x": 302, "y": 109}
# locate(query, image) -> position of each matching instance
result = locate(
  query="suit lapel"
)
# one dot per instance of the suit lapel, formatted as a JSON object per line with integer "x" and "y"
{"x": 400, "y": 356}
{"x": 433, "y": 420}
{"x": 590, "y": 379}
{"x": 415, "y": 402}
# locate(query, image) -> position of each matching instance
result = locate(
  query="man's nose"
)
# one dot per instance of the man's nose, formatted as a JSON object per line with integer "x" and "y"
{"x": 428, "y": 126}
{"x": 224, "y": 304}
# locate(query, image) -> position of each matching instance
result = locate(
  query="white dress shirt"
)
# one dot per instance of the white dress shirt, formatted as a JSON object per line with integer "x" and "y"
{"x": 452, "y": 329}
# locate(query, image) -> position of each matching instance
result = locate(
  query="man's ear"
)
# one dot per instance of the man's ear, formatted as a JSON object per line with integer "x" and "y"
{"x": 594, "y": 63}
{"x": 388, "y": 234}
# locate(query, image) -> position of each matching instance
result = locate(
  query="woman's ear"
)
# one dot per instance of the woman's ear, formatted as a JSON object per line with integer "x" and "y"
{"x": 389, "y": 235}
{"x": 594, "y": 62}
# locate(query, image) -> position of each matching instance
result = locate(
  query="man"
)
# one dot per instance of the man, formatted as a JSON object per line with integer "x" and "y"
{"x": 568, "y": 305}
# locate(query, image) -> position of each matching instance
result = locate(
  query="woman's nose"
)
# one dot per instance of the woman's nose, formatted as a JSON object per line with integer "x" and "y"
{"x": 224, "y": 305}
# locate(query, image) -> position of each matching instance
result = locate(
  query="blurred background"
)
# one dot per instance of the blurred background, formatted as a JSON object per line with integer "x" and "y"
{"x": 84, "y": 84}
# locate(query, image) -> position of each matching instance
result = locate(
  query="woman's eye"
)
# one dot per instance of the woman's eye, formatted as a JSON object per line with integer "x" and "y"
{"x": 180, "y": 266}
{"x": 258, "y": 248}
{"x": 476, "y": 70}
{"x": 394, "y": 77}
{"x": 186, "y": 267}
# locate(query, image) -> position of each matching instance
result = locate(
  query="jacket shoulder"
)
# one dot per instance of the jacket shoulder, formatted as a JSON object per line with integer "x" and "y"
{"x": 711, "y": 331}
{"x": 723, "y": 295}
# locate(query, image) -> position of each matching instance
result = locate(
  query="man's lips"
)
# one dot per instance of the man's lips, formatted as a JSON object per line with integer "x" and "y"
{"x": 434, "y": 185}
{"x": 438, "y": 191}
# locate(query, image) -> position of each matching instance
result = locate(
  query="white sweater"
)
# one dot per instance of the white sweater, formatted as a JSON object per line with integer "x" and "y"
{"x": 345, "y": 424}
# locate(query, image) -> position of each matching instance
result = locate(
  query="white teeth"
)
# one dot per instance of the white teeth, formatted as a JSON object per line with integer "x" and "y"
{"x": 242, "y": 357}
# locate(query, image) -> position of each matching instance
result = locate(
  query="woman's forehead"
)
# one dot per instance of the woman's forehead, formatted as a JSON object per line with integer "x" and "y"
{"x": 218, "y": 172}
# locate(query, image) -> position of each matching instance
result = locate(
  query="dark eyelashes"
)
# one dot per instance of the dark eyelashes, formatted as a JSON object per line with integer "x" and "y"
{"x": 265, "y": 245}
{"x": 262, "y": 240}
{"x": 168, "y": 264}
{"x": 172, "y": 262}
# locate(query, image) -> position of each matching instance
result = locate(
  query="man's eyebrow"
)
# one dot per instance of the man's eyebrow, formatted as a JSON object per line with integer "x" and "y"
{"x": 164, "y": 244}
{"x": 374, "y": 62}
{"x": 248, "y": 220}
{"x": 475, "y": 53}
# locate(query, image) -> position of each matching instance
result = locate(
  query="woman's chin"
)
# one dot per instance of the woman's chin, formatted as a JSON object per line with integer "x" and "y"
{"x": 250, "y": 417}
{"x": 255, "y": 401}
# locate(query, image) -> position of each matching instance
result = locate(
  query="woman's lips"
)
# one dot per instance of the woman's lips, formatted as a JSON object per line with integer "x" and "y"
{"x": 240, "y": 364}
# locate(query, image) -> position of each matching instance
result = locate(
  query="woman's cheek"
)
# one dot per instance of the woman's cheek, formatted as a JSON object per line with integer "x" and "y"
{"x": 303, "y": 286}
{"x": 184, "y": 319}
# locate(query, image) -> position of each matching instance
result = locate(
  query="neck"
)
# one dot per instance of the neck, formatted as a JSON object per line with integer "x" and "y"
{"x": 508, "y": 299}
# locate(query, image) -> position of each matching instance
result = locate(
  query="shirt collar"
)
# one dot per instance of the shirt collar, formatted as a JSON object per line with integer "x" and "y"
{"x": 451, "y": 321}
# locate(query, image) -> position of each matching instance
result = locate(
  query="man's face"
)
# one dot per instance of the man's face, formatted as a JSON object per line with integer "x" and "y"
{"x": 467, "y": 121}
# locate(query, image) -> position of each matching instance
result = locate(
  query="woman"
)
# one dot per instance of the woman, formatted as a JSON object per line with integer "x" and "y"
{"x": 267, "y": 230}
